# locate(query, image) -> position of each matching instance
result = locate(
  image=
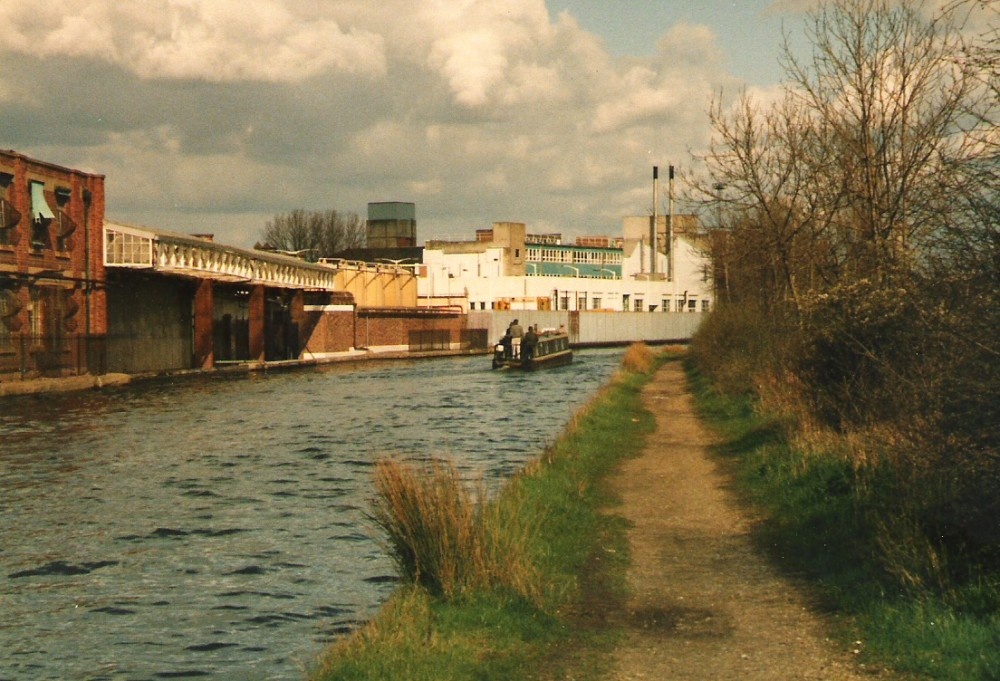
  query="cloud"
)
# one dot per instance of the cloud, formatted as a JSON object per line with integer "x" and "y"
{"x": 211, "y": 40}
{"x": 201, "y": 110}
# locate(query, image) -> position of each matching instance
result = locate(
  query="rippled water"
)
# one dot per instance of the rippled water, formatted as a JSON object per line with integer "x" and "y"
{"x": 215, "y": 527}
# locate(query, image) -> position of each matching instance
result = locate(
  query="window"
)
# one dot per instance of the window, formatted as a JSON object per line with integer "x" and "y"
{"x": 564, "y": 301}
{"x": 482, "y": 305}
{"x": 35, "y": 317}
{"x": 665, "y": 305}
{"x": 680, "y": 305}
{"x": 595, "y": 303}
{"x": 41, "y": 216}
{"x": 9, "y": 216}
{"x": 706, "y": 305}
{"x": 692, "y": 305}
{"x": 638, "y": 304}
{"x": 625, "y": 303}
{"x": 127, "y": 248}
{"x": 8, "y": 308}
{"x": 581, "y": 303}
{"x": 64, "y": 224}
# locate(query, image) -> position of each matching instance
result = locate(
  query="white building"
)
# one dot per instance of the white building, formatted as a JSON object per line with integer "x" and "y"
{"x": 507, "y": 269}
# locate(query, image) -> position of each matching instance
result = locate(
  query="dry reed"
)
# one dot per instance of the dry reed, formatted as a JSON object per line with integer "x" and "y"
{"x": 450, "y": 539}
{"x": 638, "y": 358}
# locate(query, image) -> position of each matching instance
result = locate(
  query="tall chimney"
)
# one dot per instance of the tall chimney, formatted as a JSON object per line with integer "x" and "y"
{"x": 652, "y": 228}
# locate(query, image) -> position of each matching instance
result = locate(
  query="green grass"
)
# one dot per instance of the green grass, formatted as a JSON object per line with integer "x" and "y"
{"x": 817, "y": 510}
{"x": 492, "y": 629}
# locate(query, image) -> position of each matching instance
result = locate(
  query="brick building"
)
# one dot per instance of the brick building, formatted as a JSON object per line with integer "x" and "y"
{"x": 52, "y": 295}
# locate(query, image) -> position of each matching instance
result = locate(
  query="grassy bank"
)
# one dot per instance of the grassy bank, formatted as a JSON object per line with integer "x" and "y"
{"x": 824, "y": 517}
{"x": 501, "y": 587}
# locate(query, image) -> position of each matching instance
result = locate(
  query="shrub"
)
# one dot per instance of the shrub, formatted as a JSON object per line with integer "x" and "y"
{"x": 449, "y": 539}
{"x": 638, "y": 358}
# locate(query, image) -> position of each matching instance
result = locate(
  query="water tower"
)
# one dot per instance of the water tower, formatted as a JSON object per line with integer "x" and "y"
{"x": 391, "y": 224}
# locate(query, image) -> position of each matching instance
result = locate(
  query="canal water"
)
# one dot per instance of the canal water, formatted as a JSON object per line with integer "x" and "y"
{"x": 216, "y": 527}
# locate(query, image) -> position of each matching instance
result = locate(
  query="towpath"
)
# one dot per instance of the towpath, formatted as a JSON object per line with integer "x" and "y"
{"x": 705, "y": 603}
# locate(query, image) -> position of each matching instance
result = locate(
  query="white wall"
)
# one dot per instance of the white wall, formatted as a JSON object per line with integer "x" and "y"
{"x": 476, "y": 274}
{"x": 596, "y": 328}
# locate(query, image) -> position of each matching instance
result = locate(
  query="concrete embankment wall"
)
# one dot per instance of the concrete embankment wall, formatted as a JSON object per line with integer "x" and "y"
{"x": 596, "y": 328}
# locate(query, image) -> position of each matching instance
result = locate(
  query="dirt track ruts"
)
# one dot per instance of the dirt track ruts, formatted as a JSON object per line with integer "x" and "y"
{"x": 705, "y": 603}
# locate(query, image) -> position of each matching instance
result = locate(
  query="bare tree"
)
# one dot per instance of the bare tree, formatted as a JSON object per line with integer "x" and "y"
{"x": 314, "y": 234}
{"x": 901, "y": 113}
{"x": 854, "y": 173}
{"x": 861, "y": 250}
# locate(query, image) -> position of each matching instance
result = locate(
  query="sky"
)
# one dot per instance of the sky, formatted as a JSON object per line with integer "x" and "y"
{"x": 212, "y": 116}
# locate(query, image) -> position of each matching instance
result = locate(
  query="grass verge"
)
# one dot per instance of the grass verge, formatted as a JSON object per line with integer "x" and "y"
{"x": 483, "y": 623}
{"x": 817, "y": 509}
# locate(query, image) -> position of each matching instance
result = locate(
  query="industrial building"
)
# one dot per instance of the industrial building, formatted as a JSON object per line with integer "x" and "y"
{"x": 52, "y": 301}
{"x": 514, "y": 270}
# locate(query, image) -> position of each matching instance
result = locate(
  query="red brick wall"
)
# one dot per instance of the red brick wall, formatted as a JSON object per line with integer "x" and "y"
{"x": 390, "y": 327}
{"x": 204, "y": 313}
{"x": 330, "y": 332}
{"x": 77, "y": 270}
{"x": 257, "y": 312}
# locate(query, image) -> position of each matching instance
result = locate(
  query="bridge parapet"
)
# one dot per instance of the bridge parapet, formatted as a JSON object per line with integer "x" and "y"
{"x": 133, "y": 247}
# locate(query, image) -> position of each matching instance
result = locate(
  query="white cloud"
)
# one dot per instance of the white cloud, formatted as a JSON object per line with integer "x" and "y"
{"x": 211, "y": 40}
{"x": 477, "y": 110}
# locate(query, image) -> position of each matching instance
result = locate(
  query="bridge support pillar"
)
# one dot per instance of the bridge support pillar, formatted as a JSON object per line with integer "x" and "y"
{"x": 204, "y": 313}
{"x": 257, "y": 319}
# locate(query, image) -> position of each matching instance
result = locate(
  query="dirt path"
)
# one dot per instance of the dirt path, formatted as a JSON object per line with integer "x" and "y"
{"x": 705, "y": 604}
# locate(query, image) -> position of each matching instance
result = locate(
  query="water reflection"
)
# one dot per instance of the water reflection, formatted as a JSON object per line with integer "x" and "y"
{"x": 215, "y": 527}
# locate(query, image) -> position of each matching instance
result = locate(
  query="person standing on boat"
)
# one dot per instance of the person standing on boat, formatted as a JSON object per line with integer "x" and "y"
{"x": 528, "y": 344}
{"x": 515, "y": 332}
{"x": 506, "y": 343}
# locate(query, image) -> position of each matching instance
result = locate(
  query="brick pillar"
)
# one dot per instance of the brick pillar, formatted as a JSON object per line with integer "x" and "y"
{"x": 297, "y": 313}
{"x": 257, "y": 318}
{"x": 204, "y": 312}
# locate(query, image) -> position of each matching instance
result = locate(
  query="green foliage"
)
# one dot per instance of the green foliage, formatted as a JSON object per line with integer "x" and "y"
{"x": 865, "y": 538}
{"x": 858, "y": 340}
{"x": 738, "y": 343}
{"x": 418, "y": 638}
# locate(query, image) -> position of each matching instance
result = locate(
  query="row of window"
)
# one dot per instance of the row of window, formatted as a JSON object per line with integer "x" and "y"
{"x": 638, "y": 305}
{"x": 47, "y": 309}
{"x": 565, "y": 255}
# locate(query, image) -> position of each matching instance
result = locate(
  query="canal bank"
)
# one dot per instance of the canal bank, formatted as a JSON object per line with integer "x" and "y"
{"x": 544, "y": 622}
{"x": 586, "y": 330}
{"x": 38, "y": 386}
{"x": 216, "y": 525}
{"x": 648, "y": 565}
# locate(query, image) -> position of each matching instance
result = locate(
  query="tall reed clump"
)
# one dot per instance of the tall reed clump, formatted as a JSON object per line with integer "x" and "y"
{"x": 638, "y": 359}
{"x": 448, "y": 538}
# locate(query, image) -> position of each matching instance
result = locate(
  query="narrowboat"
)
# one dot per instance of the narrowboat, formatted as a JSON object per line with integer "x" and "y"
{"x": 552, "y": 350}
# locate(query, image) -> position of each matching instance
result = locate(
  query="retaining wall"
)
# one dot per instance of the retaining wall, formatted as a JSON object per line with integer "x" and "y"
{"x": 595, "y": 328}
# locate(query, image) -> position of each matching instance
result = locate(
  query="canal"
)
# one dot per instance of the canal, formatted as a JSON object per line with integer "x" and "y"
{"x": 216, "y": 527}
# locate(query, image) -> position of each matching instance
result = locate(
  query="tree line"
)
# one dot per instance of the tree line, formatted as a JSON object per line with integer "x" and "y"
{"x": 313, "y": 234}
